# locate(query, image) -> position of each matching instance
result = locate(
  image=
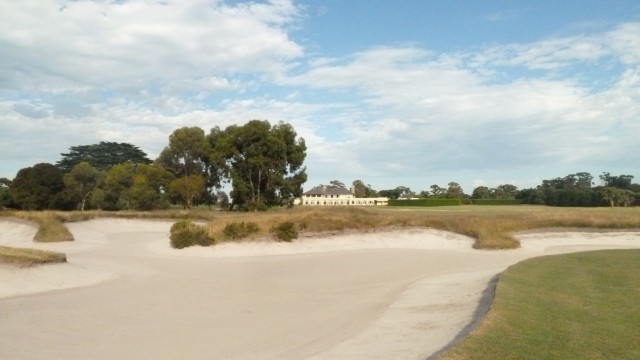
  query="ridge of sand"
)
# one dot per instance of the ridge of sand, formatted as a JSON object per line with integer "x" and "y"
{"x": 124, "y": 293}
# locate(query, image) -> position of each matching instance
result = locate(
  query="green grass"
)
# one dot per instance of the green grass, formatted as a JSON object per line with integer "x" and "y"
{"x": 573, "y": 306}
{"x": 29, "y": 257}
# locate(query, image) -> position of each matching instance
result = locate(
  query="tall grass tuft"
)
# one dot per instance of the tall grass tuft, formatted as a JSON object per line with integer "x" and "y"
{"x": 29, "y": 257}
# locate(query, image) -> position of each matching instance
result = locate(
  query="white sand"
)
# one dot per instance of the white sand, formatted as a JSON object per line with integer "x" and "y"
{"x": 125, "y": 294}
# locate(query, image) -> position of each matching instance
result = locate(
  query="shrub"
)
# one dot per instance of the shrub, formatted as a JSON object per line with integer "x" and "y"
{"x": 285, "y": 231}
{"x": 184, "y": 233}
{"x": 240, "y": 230}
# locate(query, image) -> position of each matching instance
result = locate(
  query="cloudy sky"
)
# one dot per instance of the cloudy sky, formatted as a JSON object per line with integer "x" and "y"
{"x": 406, "y": 92}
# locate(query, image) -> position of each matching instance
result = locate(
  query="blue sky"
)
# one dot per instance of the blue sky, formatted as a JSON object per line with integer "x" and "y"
{"x": 409, "y": 93}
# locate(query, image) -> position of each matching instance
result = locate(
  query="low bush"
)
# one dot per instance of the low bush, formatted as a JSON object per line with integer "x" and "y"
{"x": 240, "y": 230}
{"x": 285, "y": 231}
{"x": 184, "y": 233}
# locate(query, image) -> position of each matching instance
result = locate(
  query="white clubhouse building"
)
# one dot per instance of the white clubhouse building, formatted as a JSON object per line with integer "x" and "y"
{"x": 324, "y": 195}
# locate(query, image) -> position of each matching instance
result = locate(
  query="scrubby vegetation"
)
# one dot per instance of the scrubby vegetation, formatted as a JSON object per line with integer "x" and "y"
{"x": 185, "y": 233}
{"x": 285, "y": 231}
{"x": 240, "y": 230}
{"x": 493, "y": 227}
{"x": 29, "y": 257}
{"x": 50, "y": 224}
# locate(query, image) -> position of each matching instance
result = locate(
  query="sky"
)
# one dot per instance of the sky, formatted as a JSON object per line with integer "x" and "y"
{"x": 394, "y": 93}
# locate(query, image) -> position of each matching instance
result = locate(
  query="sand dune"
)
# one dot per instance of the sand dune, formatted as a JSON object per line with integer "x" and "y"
{"x": 125, "y": 294}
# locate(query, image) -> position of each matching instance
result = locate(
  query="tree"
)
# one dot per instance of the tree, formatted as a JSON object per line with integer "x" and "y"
{"x": 102, "y": 156}
{"x": 337, "y": 183}
{"x": 360, "y": 190}
{"x": 620, "y": 181}
{"x": 399, "y": 192}
{"x": 150, "y": 187}
{"x": 610, "y": 195}
{"x": 617, "y": 197}
{"x": 581, "y": 180}
{"x": 504, "y": 191}
{"x": 223, "y": 199}
{"x": 390, "y": 193}
{"x": 454, "y": 191}
{"x": 80, "y": 182}
{"x": 481, "y": 192}
{"x": 405, "y": 192}
{"x": 187, "y": 153}
{"x": 5, "y": 194}
{"x": 36, "y": 188}
{"x": 115, "y": 188}
{"x": 188, "y": 189}
{"x": 129, "y": 187}
{"x": 264, "y": 163}
{"x": 437, "y": 191}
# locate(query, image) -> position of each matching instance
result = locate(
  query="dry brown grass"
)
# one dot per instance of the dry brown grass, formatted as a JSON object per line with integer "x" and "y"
{"x": 493, "y": 227}
{"x": 50, "y": 224}
{"x": 29, "y": 257}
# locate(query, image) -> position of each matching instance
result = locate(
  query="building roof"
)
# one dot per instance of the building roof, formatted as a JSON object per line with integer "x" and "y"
{"x": 328, "y": 190}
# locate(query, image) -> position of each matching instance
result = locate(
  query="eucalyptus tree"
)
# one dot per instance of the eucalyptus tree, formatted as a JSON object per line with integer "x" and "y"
{"x": 454, "y": 191}
{"x": 80, "y": 182}
{"x": 129, "y": 187}
{"x": 187, "y": 152}
{"x": 263, "y": 162}
{"x": 360, "y": 190}
{"x": 481, "y": 192}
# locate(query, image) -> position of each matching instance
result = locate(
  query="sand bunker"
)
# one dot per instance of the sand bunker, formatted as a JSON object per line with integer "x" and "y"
{"x": 124, "y": 293}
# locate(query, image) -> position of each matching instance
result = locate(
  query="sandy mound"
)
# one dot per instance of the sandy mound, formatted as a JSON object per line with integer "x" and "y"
{"x": 402, "y": 294}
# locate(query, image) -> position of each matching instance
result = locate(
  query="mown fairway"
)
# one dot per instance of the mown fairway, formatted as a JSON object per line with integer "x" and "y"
{"x": 574, "y": 306}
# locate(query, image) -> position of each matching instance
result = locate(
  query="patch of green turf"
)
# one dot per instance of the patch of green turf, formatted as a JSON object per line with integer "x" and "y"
{"x": 574, "y": 306}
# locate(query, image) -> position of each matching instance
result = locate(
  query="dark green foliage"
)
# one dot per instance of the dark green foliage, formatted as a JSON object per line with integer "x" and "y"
{"x": 576, "y": 190}
{"x": 240, "y": 230}
{"x": 426, "y": 202}
{"x": 360, "y": 190}
{"x": 400, "y": 191}
{"x": 5, "y": 194}
{"x": 184, "y": 233}
{"x": 285, "y": 231}
{"x": 263, "y": 162}
{"x": 128, "y": 187}
{"x": 496, "y": 201}
{"x": 38, "y": 187}
{"x": 102, "y": 156}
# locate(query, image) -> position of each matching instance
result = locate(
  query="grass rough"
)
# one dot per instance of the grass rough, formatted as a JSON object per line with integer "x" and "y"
{"x": 29, "y": 257}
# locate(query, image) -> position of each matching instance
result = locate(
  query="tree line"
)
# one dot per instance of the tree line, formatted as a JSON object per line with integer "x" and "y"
{"x": 262, "y": 163}
{"x": 577, "y": 189}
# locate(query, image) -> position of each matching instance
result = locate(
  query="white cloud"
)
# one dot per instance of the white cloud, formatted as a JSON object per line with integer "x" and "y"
{"x": 134, "y": 71}
{"x": 135, "y": 44}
